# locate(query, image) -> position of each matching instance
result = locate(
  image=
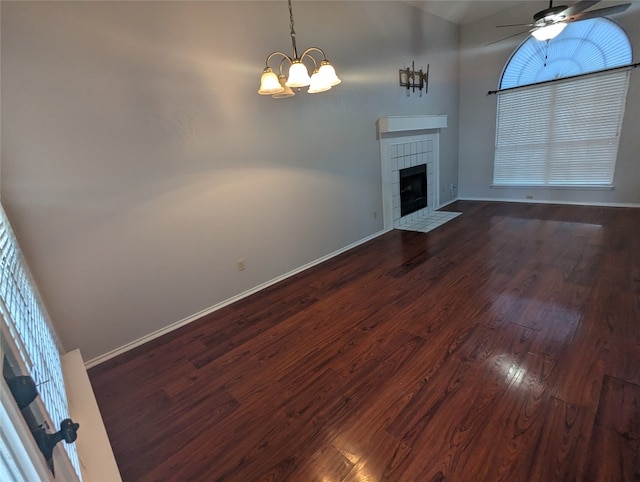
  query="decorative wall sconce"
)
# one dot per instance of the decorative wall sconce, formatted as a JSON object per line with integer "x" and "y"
{"x": 323, "y": 75}
{"x": 413, "y": 80}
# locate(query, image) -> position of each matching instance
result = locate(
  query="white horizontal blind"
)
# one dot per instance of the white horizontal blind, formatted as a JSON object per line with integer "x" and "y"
{"x": 563, "y": 133}
{"x": 23, "y": 313}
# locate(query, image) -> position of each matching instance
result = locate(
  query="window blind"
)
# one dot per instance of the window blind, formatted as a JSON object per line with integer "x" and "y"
{"x": 26, "y": 321}
{"x": 563, "y": 133}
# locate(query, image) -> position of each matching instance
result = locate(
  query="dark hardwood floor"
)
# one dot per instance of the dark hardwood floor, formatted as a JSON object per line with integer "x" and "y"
{"x": 503, "y": 346}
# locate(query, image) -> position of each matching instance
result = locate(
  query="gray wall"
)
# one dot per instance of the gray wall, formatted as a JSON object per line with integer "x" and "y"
{"x": 480, "y": 70}
{"x": 139, "y": 163}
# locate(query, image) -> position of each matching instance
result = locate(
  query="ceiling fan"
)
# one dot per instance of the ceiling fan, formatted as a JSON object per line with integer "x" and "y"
{"x": 548, "y": 23}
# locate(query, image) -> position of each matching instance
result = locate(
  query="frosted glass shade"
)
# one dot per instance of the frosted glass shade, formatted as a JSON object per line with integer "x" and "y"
{"x": 329, "y": 73}
{"x": 269, "y": 83}
{"x": 298, "y": 75}
{"x": 549, "y": 31}
{"x": 286, "y": 90}
{"x": 318, "y": 83}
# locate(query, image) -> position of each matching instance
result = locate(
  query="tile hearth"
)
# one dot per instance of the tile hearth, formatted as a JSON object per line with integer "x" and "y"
{"x": 428, "y": 221}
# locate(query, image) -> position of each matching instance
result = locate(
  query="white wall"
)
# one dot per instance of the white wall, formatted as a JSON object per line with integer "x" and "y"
{"x": 481, "y": 68}
{"x": 139, "y": 163}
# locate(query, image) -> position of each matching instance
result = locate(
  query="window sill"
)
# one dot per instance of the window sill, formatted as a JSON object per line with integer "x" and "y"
{"x": 94, "y": 449}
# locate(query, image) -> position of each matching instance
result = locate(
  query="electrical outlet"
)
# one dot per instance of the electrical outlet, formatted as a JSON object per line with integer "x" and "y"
{"x": 375, "y": 214}
{"x": 529, "y": 197}
{"x": 241, "y": 265}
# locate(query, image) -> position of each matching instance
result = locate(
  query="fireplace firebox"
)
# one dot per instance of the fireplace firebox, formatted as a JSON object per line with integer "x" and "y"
{"x": 413, "y": 189}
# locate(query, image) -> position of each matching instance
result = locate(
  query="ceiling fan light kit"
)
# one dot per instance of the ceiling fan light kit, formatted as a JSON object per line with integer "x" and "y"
{"x": 550, "y": 22}
{"x": 549, "y": 32}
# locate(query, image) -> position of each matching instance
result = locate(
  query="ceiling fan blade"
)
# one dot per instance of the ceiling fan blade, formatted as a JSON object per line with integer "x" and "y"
{"x": 578, "y": 7}
{"x": 506, "y": 38}
{"x": 601, "y": 12}
{"x": 516, "y": 25}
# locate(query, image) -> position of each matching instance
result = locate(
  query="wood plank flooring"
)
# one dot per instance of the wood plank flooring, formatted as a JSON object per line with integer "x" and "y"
{"x": 503, "y": 346}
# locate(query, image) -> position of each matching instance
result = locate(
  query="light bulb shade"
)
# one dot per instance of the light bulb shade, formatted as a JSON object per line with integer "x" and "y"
{"x": 298, "y": 75}
{"x": 269, "y": 83}
{"x": 318, "y": 83}
{"x": 549, "y": 32}
{"x": 286, "y": 90}
{"x": 329, "y": 73}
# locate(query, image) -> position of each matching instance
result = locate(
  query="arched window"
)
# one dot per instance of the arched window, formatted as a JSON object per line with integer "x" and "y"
{"x": 555, "y": 129}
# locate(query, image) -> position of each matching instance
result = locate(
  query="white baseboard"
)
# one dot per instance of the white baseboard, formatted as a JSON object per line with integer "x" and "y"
{"x": 447, "y": 203}
{"x": 540, "y": 201}
{"x": 151, "y": 336}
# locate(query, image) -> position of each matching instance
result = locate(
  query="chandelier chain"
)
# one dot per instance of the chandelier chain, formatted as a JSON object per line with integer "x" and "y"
{"x": 293, "y": 32}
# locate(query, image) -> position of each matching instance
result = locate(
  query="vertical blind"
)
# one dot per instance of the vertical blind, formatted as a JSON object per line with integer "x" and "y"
{"x": 563, "y": 133}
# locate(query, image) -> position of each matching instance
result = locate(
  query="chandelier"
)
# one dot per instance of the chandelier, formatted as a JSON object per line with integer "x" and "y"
{"x": 323, "y": 75}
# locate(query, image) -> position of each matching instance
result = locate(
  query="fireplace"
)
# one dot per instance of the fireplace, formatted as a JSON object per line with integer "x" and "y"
{"x": 413, "y": 189}
{"x": 408, "y": 142}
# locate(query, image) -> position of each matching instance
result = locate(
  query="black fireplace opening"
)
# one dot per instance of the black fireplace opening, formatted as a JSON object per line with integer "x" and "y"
{"x": 413, "y": 189}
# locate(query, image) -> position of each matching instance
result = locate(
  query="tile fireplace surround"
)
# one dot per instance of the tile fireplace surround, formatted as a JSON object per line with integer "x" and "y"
{"x": 407, "y": 141}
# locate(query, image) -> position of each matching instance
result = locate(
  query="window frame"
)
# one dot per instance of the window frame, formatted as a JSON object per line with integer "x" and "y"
{"x": 543, "y": 154}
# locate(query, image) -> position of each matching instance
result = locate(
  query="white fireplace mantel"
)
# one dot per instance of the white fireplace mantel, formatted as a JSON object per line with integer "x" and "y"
{"x": 393, "y": 124}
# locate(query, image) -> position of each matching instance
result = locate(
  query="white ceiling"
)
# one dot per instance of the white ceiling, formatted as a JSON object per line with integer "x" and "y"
{"x": 464, "y": 11}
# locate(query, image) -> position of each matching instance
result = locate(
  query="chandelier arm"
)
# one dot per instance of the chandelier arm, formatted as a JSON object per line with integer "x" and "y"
{"x": 282, "y": 62}
{"x": 310, "y": 49}
{"x": 306, "y": 54}
{"x": 278, "y": 53}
